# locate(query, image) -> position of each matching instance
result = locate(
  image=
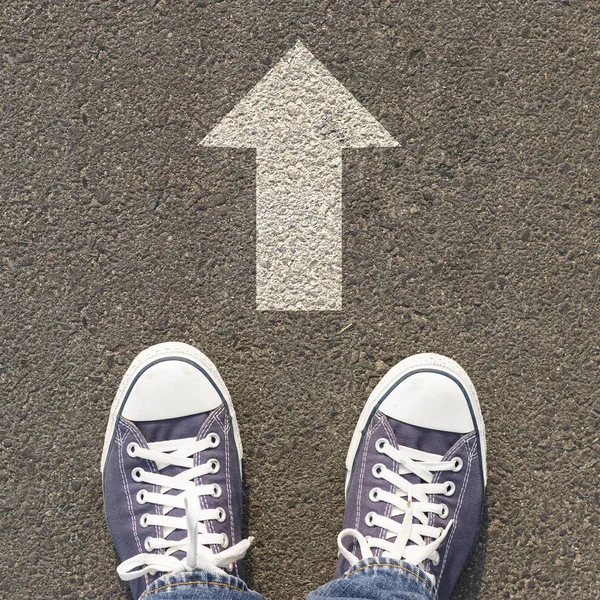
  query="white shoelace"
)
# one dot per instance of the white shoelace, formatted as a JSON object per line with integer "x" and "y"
{"x": 410, "y": 500}
{"x": 196, "y": 545}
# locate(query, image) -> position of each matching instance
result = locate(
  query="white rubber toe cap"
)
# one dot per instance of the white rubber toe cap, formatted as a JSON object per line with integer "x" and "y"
{"x": 169, "y": 389}
{"x": 431, "y": 400}
{"x": 167, "y": 381}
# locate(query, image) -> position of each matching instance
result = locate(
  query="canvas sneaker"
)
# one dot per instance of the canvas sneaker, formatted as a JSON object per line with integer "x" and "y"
{"x": 171, "y": 469}
{"x": 416, "y": 472}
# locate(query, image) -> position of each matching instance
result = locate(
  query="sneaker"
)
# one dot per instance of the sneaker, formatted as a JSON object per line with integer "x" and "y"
{"x": 416, "y": 472}
{"x": 171, "y": 469}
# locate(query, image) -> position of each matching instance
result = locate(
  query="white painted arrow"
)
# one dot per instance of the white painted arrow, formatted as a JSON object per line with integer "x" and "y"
{"x": 299, "y": 117}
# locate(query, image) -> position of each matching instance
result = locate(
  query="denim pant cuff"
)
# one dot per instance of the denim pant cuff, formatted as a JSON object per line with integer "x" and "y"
{"x": 186, "y": 580}
{"x": 411, "y": 575}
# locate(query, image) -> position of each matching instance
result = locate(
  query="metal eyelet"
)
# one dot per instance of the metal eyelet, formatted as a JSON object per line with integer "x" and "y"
{"x": 217, "y": 491}
{"x": 458, "y": 464}
{"x": 225, "y": 542}
{"x": 137, "y": 473}
{"x": 215, "y": 465}
{"x": 444, "y": 512}
{"x": 436, "y": 559}
{"x": 378, "y": 470}
{"x": 214, "y": 440}
{"x": 380, "y": 444}
{"x": 370, "y": 518}
{"x": 144, "y": 520}
{"x": 147, "y": 544}
{"x": 222, "y": 515}
{"x": 141, "y": 497}
{"x": 374, "y": 495}
{"x": 450, "y": 488}
{"x": 131, "y": 449}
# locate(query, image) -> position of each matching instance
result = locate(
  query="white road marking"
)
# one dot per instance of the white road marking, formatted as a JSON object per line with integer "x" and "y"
{"x": 299, "y": 118}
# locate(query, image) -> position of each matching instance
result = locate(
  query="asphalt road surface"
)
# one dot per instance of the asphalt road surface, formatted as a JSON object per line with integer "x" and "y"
{"x": 476, "y": 237}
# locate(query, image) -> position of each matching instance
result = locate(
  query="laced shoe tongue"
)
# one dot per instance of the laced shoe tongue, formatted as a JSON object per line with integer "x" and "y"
{"x": 172, "y": 429}
{"x": 426, "y": 440}
{"x": 420, "y": 438}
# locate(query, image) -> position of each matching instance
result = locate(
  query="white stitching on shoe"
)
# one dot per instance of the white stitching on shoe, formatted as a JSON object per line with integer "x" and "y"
{"x": 152, "y": 466}
{"x": 462, "y": 442}
{"x": 206, "y": 427}
{"x": 226, "y": 430}
{"x": 128, "y": 496}
{"x": 458, "y": 505}
{"x": 362, "y": 475}
{"x": 140, "y": 440}
{"x": 360, "y": 483}
{"x": 396, "y": 468}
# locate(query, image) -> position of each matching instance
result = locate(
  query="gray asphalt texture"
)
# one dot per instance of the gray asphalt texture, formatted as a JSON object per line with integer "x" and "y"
{"x": 478, "y": 238}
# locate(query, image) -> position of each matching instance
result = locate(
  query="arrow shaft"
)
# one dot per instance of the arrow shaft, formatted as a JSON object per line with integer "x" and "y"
{"x": 299, "y": 228}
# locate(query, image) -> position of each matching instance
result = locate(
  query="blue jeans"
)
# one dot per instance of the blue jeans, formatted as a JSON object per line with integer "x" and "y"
{"x": 370, "y": 579}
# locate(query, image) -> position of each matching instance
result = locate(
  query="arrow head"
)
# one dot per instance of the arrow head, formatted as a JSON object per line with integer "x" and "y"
{"x": 299, "y": 103}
